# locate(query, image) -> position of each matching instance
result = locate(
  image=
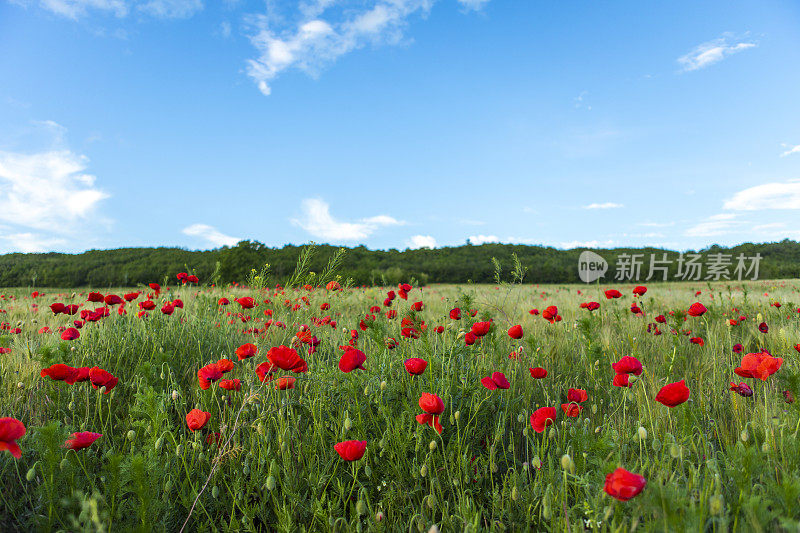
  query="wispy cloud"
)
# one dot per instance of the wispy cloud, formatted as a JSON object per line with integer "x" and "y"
{"x": 317, "y": 220}
{"x": 47, "y": 191}
{"x": 713, "y": 51}
{"x": 421, "y": 241}
{"x": 210, "y": 235}
{"x": 325, "y": 30}
{"x": 791, "y": 150}
{"x": 785, "y": 195}
{"x": 721, "y": 224}
{"x": 75, "y": 9}
{"x": 606, "y": 205}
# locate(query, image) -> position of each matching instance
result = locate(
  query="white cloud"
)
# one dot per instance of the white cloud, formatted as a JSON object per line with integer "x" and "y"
{"x": 473, "y": 4}
{"x": 421, "y": 241}
{"x": 714, "y": 225}
{"x": 656, "y": 224}
{"x": 712, "y": 52}
{"x": 47, "y": 191}
{"x": 325, "y": 30}
{"x": 586, "y": 244}
{"x": 477, "y": 240}
{"x": 318, "y": 221}
{"x": 791, "y": 150}
{"x": 225, "y": 29}
{"x": 210, "y": 234}
{"x": 168, "y": 9}
{"x": 767, "y": 196}
{"x": 770, "y": 227}
{"x": 28, "y": 242}
{"x": 75, "y": 9}
{"x": 606, "y": 205}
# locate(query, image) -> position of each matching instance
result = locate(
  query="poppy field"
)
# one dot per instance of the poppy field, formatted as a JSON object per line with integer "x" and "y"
{"x": 314, "y": 405}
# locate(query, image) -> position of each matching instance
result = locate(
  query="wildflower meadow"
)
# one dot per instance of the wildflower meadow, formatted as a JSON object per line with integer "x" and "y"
{"x": 311, "y": 404}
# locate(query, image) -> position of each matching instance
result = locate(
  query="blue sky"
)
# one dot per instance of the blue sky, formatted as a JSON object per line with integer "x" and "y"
{"x": 397, "y": 124}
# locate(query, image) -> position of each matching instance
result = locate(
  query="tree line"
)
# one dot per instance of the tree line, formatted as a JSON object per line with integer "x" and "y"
{"x": 457, "y": 264}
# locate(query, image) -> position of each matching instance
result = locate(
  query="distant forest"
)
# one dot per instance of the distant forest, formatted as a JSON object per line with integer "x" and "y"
{"x": 459, "y": 264}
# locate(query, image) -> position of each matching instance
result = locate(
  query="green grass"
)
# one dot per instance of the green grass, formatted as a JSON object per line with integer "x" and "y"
{"x": 719, "y": 462}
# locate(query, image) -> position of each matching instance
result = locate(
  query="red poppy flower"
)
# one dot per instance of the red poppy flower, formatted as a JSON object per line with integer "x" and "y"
{"x": 11, "y": 429}
{"x": 639, "y": 290}
{"x": 95, "y": 297}
{"x": 628, "y": 365}
{"x": 57, "y": 308}
{"x": 738, "y": 348}
{"x": 613, "y": 293}
{"x": 415, "y": 366}
{"x": 246, "y": 302}
{"x": 225, "y": 365}
{"x": 455, "y": 314}
{"x": 70, "y": 334}
{"x": 550, "y": 313}
{"x": 112, "y": 299}
{"x": 196, "y": 419}
{"x": 101, "y": 378}
{"x": 543, "y": 417}
{"x": 168, "y": 308}
{"x": 431, "y": 403}
{"x": 417, "y": 306}
{"x": 496, "y": 381}
{"x": 622, "y": 380}
{"x": 470, "y": 338}
{"x": 351, "y": 450}
{"x": 673, "y": 394}
{"x": 796, "y": 347}
{"x": 231, "y": 384}
{"x": 333, "y": 286}
{"x": 697, "y": 309}
{"x": 352, "y": 359}
{"x": 577, "y": 395}
{"x": 147, "y": 305}
{"x": 286, "y": 358}
{"x": 223, "y": 301}
{"x": 60, "y": 372}
{"x": 155, "y": 287}
{"x": 538, "y": 372}
{"x": 742, "y": 389}
{"x": 697, "y": 340}
{"x": 265, "y": 370}
{"x": 759, "y": 365}
{"x": 479, "y": 329}
{"x": 534, "y": 312}
{"x": 661, "y": 319}
{"x": 572, "y": 410}
{"x": 70, "y": 309}
{"x": 81, "y": 440}
{"x": 285, "y": 383}
{"x": 624, "y": 485}
{"x": 131, "y": 296}
{"x": 246, "y": 351}
{"x": 191, "y": 278}
{"x": 591, "y": 306}
{"x": 177, "y": 303}
{"x": 207, "y": 374}
{"x": 515, "y": 332}
{"x": 763, "y": 327}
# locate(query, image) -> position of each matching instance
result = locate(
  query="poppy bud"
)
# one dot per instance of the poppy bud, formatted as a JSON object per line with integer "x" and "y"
{"x": 642, "y": 433}
{"x": 457, "y": 415}
{"x": 63, "y": 463}
{"x": 131, "y": 435}
{"x": 423, "y": 471}
{"x": 361, "y": 507}
{"x": 174, "y": 395}
{"x": 159, "y": 442}
{"x": 168, "y": 485}
{"x": 215, "y": 492}
{"x": 744, "y": 435}
{"x": 379, "y": 516}
{"x": 178, "y": 450}
{"x": 270, "y": 483}
{"x": 432, "y": 446}
{"x": 383, "y": 385}
{"x": 536, "y": 462}
{"x": 348, "y": 424}
{"x": 31, "y": 473}
{"x": 514, "y": 494}
{"x": 567, "y": 463}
